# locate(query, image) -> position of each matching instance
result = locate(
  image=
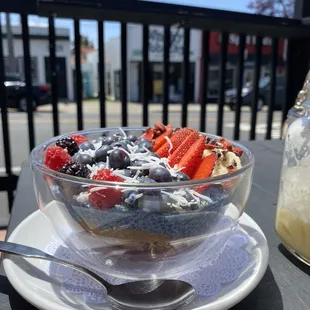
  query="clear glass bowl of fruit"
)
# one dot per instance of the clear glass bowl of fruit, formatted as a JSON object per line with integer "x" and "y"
{"x": 137, "y": 203}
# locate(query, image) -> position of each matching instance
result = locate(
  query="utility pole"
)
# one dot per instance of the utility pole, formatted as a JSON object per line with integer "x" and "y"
{"x": 9, "y": 36}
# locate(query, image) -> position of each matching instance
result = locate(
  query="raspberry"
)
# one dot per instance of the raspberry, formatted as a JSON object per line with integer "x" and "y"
{"x": 79, "y": 139}
{"x": 69, "y": 144}
{"x": 56, "y": 157}
{"x": 105, "y": 198}
{"x": 76, "y": 169}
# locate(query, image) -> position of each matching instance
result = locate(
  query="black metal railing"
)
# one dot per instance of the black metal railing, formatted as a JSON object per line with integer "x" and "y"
{"x": 148, "y": 13}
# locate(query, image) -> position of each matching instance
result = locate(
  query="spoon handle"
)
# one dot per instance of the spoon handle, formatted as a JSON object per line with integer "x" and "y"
{"x": 27, "y": 251}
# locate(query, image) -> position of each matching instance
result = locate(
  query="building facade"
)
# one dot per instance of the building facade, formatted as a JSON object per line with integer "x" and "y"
{"x": 40, "y": 57}
{"x": 156, "y": 34}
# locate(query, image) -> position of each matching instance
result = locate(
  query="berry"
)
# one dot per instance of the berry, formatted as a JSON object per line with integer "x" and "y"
{"x": 119, "y": 159}
{"x": 140, "y": 150}
{"x": 56, "y": 157}
{"x": 79, "y": 139}
{"x": 205, "y": 168}
{"x": 161, "y": 140}
{"x": 87, "y": 146}
{"x": 102, "y": 153}
{"x": 149, "y": 134}
{"x": 226, "y": 144}
{"x": 237, "y": 151}
{"x": 146, "y": 145}
{"x": 142, "y": 139}
{"x": 129, "y": 197}
{"x": 176, "y": 140}
{"x": 83, "y": 159}
{"x": 121, "y": 145}
{"x": 76, "y": 169}
{"x": 68, "y": 144}
{"x": 103, "y": 140}
{"x": 146, "y": 180}
{"x": 183, "y": 148}
{"x": 192, "y": 159}
{"x": 139, "y": 163}
{"x": 132, "y": 138}
{"x": 107, "y": 197}
{"x": 160, "y": 174}
{"x": 180, "y": 176}
{"x": 216, "y": 193}
{"x": 112, "y": 139}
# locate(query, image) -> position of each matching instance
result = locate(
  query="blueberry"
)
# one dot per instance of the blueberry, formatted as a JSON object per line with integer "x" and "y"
{"x": 146, "y": 145}
{"x": 132, "y": 138}
{"x": 120, "y": 144}
{"x": 102, "y": 140}
{"x": 128, "y": 173}
{"x": 111, "y": 139}
{"x": 139, "y": 163}
{"x": 216, "y": 193}
{"x": 142, "y": 139}
{"x": 129, "y": 197}
{"x": 145, "y": 180}
{"x": 160, "y": 174}
{"x": 140, "y": 150}
{"x": 180, "y": 176}
{"x": 102, "y": 153}
{"x": 87, "y": 146}
{"x": 119, "y": 159}
{"x": 83, "y": 158}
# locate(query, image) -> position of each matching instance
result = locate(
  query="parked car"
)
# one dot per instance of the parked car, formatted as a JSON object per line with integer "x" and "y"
{"x": 16, "y": 92}
{"x": 263, "y": 97}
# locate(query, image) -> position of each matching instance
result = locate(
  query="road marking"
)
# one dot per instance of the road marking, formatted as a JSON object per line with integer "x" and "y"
{"x": 15, "y": 169}
{"x": 261, "y": 129}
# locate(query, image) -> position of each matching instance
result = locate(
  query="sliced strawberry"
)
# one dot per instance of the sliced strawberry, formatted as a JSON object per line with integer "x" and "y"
{"x": 183, "y": 148}
{"x": 210, "y": 146}
{"x": 192, "y": 159}
{"x": 226, "y": 144}
{"x": 79, "y": 139}
{"x": 149, "y": 134}
{"x": 105, "y": 198}
{"x": 237, "y": 151}
{"x": 176, "y": 140}
{"x": 205, "y": 168}
{"x": 160, "y": 140}
{"x": 56, "y": 157}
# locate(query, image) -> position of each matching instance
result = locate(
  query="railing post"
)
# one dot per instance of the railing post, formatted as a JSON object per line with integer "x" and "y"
{"x": 302, "y": 9}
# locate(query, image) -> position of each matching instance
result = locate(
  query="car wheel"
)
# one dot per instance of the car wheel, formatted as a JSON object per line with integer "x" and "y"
{"x": 260, "y": 104}
{"x": 22, "y": 105}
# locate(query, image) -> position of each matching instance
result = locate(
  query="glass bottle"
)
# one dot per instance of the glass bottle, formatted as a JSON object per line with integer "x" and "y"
{"x": 293, "y": 208}
{"x": 301, "y": 106}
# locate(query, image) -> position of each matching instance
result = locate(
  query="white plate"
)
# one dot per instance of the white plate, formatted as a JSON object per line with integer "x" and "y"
{"x": 31, "y": 280}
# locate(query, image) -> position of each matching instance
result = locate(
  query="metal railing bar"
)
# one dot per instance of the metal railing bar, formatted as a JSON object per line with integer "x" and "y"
{"x": 256, "y": 94}
{"x": 53, "y": 74}
{"x": 240, "y": 68}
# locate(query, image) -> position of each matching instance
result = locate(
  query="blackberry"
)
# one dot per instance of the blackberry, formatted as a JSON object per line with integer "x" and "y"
{"x": 68, "y": 144}
{"x": 76, "y": 169}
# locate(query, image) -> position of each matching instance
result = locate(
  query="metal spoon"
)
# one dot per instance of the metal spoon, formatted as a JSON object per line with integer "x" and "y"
{"x": 150, "y": 294}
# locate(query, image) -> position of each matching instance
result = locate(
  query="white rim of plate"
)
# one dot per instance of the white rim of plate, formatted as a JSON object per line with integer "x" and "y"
{"x": 225, "y": 302}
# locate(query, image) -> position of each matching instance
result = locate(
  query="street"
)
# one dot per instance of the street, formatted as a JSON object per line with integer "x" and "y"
{"x": 68, "y": 122}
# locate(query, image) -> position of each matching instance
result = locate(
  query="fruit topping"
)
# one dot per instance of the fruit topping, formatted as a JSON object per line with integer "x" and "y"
{"x": 76, "y": 169}
{"x": 68, "y": 144}
{"x": 205, "y": 168}
{"x": 105, "y": 197}
{"x": 119, "y": 159}
{"x": 79, "y": 139}
{"x": 87, "y": 146}
{"x": 192, "y": 158}
{"x": 160, "y": 174}
{"x": 56, "y": 157}
{"x": 161, "y": 139}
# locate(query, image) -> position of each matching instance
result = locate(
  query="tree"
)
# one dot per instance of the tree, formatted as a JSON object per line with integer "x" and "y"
{"x": 280, "y": 8}
{"x": 85, "y": 42}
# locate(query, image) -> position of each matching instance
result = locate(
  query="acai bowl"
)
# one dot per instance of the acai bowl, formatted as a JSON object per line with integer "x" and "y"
{"x": 140, "y": 203}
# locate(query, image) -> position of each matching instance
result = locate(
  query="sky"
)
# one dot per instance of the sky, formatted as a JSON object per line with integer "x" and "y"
{"x": 112, "y": 29}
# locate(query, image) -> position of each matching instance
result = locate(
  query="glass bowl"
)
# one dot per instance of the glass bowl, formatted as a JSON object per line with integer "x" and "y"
{"x": 162, "y": 236}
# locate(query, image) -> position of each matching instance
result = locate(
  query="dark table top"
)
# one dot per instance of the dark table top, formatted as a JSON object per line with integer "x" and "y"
{"x": 286, "y": 282}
